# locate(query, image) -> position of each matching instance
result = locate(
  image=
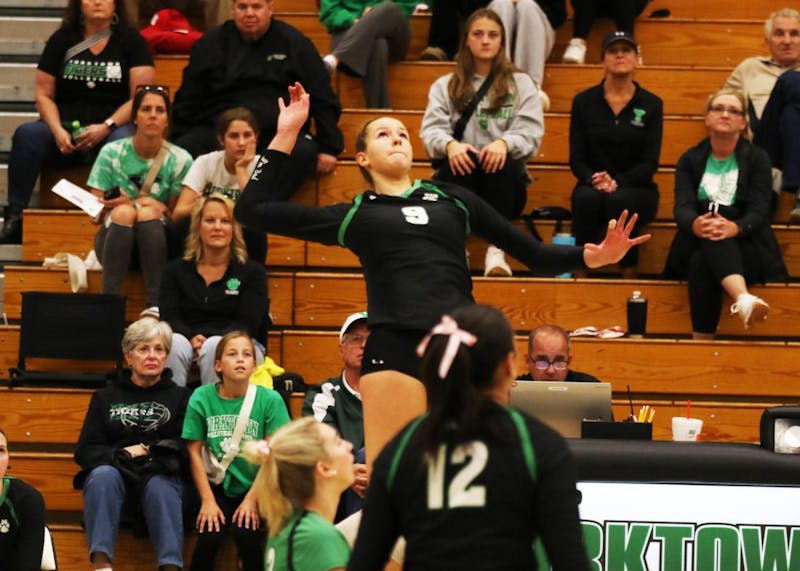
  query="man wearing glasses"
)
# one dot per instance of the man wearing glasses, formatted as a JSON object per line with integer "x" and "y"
{"x": 549, "y": 357}
{"x": 337, "y": 402}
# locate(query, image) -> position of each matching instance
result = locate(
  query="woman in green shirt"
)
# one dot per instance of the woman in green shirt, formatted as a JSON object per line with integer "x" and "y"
{"x": 305, "y": 467}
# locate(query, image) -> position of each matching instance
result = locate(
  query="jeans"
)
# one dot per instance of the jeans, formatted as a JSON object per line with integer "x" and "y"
{"x": 104, "y": 493}
{"x": 181, "y": 356}
{"x": 32, "y": 147}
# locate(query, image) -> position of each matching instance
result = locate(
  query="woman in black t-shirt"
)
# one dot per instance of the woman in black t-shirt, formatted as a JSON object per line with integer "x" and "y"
{"x": 87, "y": 74}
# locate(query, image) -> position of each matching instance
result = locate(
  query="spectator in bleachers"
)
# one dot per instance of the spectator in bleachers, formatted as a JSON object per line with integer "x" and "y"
{"x": 214, "y": 289}
{"x": 518, "y": 476}
{"x": 778, "y": 134}
{"x": 722, "y": 207}
{"x": 445, "y": 21}
{"x": 21, "y": 519}
{"x": 755, "y": 77}
{"x": 549, "y": 357}
{"x": 623, "y": 12}
{"x": 410, "y": 238}
{"x": 87, "y": 74}
{"x": 304, "y": 468}
{"x": 365, "y": 36}
{"x": 250, "y": 61}
{"x": 337, "y": 402}
{"x": 531, "y": 33}
{"x": 615, "y": 134}
{"x": 131, "y": 453}
{"x": 488, "y": 154}
{"x": 229, "y": 503}
{"x": 227, "y": 172}
{"x": 138, "y": 179}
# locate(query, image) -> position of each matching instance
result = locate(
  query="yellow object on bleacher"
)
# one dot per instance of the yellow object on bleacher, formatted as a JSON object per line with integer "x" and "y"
{"x": 265, "y": 372}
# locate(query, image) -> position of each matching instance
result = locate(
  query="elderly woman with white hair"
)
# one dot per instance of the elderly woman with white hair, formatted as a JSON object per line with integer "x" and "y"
{"x": 130, "y": 448}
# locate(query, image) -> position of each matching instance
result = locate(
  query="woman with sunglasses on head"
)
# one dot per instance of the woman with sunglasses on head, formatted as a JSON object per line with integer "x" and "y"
{"x": 225, "y": 172}
{"x": 229, "y": 504}
{"x": 472, "y": 484}
{"x": 22, "y": 516}
{"x": 85, "y": 79}
{"x": 490, "y": 155}
{"x": 304, "y": 468}
{"x": 615, "y": 132}
{"x": 410, "y": 237}
{"x": 723, "y": 192}
{"x": 138, "y": 179}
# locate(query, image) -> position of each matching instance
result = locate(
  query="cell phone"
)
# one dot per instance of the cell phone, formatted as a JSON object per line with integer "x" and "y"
{"x": 111, "y": 193}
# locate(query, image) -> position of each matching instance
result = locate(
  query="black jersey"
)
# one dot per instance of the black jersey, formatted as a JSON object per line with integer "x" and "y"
{"x": 411, "y": 246}
{"x": 21, "y": 526}
{"x": 480, "y": 505}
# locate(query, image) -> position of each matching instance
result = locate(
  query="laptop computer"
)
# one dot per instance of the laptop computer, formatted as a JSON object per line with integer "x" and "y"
{"x": 563, "y": 406}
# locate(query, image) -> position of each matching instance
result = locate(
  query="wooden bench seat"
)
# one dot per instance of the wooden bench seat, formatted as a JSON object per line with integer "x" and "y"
{"x": 321, "y": 299}
{"x": 28, "y": 278}
{"x": 671, "y": 41}
{"x": 680, "y": 133}
{"x": 683, "y": 89}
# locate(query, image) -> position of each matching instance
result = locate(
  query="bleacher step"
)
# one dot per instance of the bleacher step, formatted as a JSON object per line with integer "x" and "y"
{"x": 17, "y": 82}
{"x": 9, "y": 121}
{"x": 26, "y": 35}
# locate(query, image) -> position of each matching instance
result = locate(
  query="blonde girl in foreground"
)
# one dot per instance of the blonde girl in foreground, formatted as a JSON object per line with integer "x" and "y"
{"x": 305, "y": 466}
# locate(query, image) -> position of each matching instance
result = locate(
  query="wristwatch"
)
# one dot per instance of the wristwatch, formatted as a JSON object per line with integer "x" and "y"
{"x": 110, "y": 124}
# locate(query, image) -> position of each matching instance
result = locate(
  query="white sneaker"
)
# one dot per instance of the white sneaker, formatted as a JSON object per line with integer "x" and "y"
{"x": 575, "y": 52}
{"x": 151, "y": 312}
{"x": 495, "y": 263}
{"x": 545, "y": 101}
{"x": 750, "y": 308}
{"x": 331, "y": 63}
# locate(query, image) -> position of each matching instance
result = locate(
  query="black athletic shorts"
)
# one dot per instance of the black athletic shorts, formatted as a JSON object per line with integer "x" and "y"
{"x": 392, "y": 350}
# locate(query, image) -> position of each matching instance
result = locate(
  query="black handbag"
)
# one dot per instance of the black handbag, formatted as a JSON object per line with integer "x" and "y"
{"x": 461, "y": 124}
{"x": 557, "y": 213}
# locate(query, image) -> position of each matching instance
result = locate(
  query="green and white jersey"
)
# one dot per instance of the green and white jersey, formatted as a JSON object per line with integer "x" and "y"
{"x": 211, "y": 418}
{"x": 312, "y": 542}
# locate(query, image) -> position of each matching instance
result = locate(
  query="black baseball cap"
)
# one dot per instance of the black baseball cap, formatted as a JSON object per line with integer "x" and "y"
{"x": 619, "y": 36}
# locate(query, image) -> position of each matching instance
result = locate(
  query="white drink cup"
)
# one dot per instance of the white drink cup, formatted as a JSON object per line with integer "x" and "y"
{"x": 686, "y": 429}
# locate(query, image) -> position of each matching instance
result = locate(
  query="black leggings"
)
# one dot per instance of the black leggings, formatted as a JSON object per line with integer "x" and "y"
{"x": 592, "y": 209}
{"x": 623, "y": 12}
{"x": 249, "y": 543}
{"x": 506, "y": 189}
{"x": 709, "y": 264}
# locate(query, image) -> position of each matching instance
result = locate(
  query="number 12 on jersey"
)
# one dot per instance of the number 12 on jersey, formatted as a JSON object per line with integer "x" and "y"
{"x": 460, "y": 493}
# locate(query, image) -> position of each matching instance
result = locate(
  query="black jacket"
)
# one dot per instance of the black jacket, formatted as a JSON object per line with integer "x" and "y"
{"x": 751, "y": 211}
{"x": 224, "y": 71}
{"x": 123, "y": 414}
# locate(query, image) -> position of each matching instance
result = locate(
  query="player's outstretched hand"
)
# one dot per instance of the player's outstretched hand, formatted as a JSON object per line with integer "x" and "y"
{"x": 616, "y": 243}
{"x": 291, "y": 119}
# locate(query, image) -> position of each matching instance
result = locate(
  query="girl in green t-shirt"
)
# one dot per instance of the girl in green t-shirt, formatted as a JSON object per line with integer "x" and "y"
{"x": 305, "y": 467}
{"x": 211, "y": 417}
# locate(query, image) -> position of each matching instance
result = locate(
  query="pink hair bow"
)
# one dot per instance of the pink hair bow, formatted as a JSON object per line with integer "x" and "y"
{"x": 263, "y": 448}
{"x": 447, "y": 326}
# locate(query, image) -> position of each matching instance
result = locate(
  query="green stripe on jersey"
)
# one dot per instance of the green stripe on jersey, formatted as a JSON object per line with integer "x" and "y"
{"x": 525, "y": 438}
{"x": 398, "y": 454}
{"x": 346, "y": 222}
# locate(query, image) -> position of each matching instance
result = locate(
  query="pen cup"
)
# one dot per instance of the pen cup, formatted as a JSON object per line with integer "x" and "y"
{"x": 686, "y": 429}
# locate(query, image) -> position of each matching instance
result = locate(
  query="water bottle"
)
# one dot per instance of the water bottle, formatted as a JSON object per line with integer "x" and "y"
{"x": 569, "y": 240}
{"x": 74, "y": 127}
{"x": 637, "y": 315}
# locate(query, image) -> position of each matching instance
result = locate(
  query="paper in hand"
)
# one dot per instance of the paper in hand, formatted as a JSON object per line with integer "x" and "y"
{"x": 81, "y": 198}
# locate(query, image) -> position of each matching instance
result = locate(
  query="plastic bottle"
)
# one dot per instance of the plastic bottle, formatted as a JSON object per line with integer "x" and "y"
{"x": 564, "y": 238}
{"x": 637, "y": 315}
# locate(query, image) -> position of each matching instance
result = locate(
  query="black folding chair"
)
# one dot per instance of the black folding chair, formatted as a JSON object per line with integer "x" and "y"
{"x": 81, "y": 327}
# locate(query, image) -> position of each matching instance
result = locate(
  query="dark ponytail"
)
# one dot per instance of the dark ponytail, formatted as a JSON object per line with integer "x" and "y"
{"x": 455, "y": 401}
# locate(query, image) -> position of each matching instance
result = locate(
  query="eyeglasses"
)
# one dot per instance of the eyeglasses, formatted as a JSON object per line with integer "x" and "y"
{"x": 355, "y": 339}
{"x": 720, "y": 109}
{"x": 150, "y": 87}
{"x": 544, "y": 364}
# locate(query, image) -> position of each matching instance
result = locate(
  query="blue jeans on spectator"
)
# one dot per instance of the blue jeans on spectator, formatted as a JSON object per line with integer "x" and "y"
{"x": 32, "y": 146}
{"x": 350, "y": 502}
{"x": 104, "y": 493}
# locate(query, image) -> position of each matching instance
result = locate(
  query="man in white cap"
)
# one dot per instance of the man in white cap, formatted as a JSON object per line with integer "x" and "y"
{"x": 337, "y": 402}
